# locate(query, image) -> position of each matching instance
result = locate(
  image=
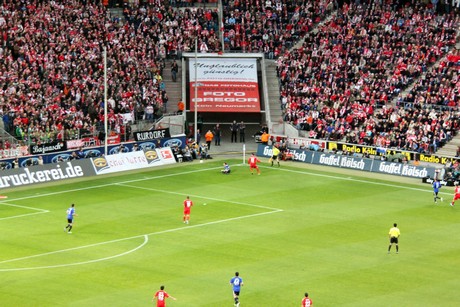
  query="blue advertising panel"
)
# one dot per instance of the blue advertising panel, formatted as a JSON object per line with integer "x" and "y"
{"x": 353, "y": 162}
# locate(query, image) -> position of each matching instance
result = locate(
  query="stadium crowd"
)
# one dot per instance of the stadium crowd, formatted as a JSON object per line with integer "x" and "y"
{"x": 338, "y": 85}
{"x": 51, "y": 76}
{"x": 270, "y": 27}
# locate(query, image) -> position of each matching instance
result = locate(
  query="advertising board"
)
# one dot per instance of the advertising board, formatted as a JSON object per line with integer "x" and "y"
{"x": 353, "y": 162}
{"x": 224, "y": 85}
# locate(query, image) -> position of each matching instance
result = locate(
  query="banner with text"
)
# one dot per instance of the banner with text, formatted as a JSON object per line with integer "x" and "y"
{"x": 151, "y": 134}
{"x": 133, "y": 160}
{"x": 52, "y": 172}
{"x": 352, "y": 162}
{"x": 224, "y": 85}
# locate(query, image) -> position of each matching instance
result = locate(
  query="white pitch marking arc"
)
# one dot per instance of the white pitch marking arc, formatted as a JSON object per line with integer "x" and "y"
{"x": 146, "y": 239}
{"x": 118, "y": 240}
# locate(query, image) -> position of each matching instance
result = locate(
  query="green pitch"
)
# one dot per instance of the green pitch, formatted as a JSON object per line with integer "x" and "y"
{"x": 287, "y": 231}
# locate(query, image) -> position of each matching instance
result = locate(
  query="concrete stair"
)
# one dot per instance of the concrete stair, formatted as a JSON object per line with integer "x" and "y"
{"x": 275, "y": 113}
{"x": 450, "y": 149}
{"x": 173, "y": 89}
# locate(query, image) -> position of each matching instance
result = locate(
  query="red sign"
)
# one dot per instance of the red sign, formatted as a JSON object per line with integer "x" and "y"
{"x": 115, "y": 139}
{"x": 224, "y": 85}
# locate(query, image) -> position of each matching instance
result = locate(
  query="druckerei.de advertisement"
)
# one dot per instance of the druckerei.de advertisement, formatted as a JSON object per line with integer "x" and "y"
{"x": 45, "y": 173}
{"x": 118, "y": 162}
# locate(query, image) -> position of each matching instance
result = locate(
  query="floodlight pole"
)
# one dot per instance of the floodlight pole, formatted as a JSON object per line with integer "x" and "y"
{"x": 105, "y": 100}
{"x": 196, "y": 89}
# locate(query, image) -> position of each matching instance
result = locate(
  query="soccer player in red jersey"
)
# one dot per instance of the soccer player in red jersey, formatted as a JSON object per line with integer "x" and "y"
{"x": 161, "y": 297}
{"x": 306, "y": 302}
{"x": 187, "y": 207}
{"x": 252, "y": 161}
{"x": 456, "y": 194}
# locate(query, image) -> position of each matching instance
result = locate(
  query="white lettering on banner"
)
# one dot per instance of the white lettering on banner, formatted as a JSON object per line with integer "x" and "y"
{"x": 150, "y": 135}
{"x": 392, "y": 168}
{"x": 31, "y": 177}
{"x": 331, "y": 160}
{"x": 125, "y": 160}
{"x": 227, "y": 85}
{"x": 352, "y": 163}
{"x": 429, "y": 180}
{"x": 229, "y": 94}
{"x": 268, "y": 151}
{"x": 413, "y": 171}
{"x": 224, "y": 85}
{"x": 134, "y": 160}
{"x": 13, "y": 152}
{"x": 230, "y": 99}
{"x": 71, "y": 144}
{"x": 298, "y": 156}
{"x": 37, "y": 149}
{"x": 304, "y": 142}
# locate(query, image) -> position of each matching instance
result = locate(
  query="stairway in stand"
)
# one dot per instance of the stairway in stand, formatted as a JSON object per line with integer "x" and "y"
{"x": 173, "y": 89}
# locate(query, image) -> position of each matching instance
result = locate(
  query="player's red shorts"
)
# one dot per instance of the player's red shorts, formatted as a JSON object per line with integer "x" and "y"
{"x": 456, "y": 196}
{"x": 251, "y": 166}
{"x": 186, "y": 211}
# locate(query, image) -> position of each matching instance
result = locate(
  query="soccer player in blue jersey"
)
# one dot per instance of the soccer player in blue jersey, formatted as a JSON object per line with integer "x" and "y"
{"x": 70, "y": 215}
{"x": 237, "y": 283}
{"x": 436, "y": 187}
{"x": 226, "y": 169}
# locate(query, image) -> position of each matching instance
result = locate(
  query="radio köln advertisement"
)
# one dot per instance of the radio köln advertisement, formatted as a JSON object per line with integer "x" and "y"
{"x": 224, "y": 85}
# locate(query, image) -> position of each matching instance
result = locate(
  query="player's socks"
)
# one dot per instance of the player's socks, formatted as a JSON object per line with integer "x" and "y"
{"x": 70, "y": 228}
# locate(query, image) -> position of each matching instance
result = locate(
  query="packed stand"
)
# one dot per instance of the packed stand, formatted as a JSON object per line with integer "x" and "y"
{"x": 356, "y": 63}
{"x": 175, "y": 30}
{"x": 439, "y": 88}
{"x": 51, "y": 75}
{"x": 269, "y": 27}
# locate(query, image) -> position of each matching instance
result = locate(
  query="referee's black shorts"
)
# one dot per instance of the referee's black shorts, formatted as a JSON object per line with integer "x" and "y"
{"x": 394, "y": 240}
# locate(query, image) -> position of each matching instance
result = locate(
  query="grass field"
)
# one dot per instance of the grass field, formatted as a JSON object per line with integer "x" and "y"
{"x": 287, "y": 231}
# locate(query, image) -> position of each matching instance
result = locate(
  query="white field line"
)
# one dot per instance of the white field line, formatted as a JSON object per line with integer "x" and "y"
{"x": 146, "y": 239}
{"x": 219, "y": 167}
{"x": 118, "y": 240}
{"x": 87, "y": 188}
{"x": 355, "y": 180}
{"x": 115, "y": 183}
{"x": 198, "y": 225}
{"x": 40, "y": 211}
{"x": 24, "y": 207}
{"x": 199, "y": 196}
{"x": 22, "y": 215}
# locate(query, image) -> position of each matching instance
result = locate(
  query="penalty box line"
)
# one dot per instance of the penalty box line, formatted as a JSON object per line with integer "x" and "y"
{"x": 83, "y": 189}
{"x": 305, "y": 172}
{"x": 203, "y": 197}
{"x": 38, "y": 211}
